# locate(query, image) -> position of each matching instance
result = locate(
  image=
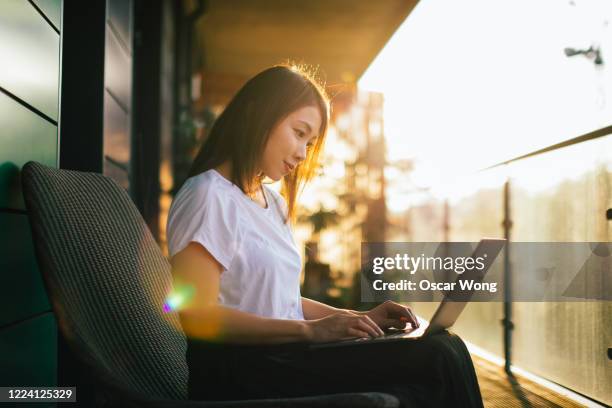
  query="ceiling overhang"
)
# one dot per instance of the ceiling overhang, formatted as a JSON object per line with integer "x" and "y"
{"x": 239, "y": 38}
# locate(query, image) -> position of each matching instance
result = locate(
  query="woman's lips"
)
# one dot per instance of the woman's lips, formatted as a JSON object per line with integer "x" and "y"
{"x": 288, "y": 168}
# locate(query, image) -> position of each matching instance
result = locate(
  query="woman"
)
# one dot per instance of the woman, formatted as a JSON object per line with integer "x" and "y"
{"x": 232, "y": 250}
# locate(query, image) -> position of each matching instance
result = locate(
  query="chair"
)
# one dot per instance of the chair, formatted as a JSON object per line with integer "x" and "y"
{"x": 107, "y": 279}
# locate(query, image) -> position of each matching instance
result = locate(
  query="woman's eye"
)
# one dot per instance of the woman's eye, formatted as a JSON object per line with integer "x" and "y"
{"x": 300, "y": 133}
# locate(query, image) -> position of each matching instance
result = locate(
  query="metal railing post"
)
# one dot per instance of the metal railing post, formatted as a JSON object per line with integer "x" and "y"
{"x": 507, "y": 320}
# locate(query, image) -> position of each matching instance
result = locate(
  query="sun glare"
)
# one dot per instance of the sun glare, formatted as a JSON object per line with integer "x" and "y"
{"x": 469, "y": 84}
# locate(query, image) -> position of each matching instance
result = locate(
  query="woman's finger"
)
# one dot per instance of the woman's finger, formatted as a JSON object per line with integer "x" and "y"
{"x": 357, "y": 333}
{"x": 405, "y": 313}
{"x": 363, "y": 325}
{"x": 397, "y": 323}
{"x": 374, "y": 325}
{"x": 414, "y": 318}
{"x": 410, "y": 318}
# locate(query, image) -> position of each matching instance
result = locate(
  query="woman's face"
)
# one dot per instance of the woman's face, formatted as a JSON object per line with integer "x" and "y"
{"x": 289, "y": 141}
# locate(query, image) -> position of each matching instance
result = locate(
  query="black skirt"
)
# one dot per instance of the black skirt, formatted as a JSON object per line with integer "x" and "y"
{"x": 435, "y": 371}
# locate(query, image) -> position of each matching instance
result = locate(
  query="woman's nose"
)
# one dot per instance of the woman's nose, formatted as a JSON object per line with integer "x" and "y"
{"x": 300, "y": 155}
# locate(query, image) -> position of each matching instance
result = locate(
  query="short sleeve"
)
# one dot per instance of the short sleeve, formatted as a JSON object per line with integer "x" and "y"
{"x": 205, "y": 213}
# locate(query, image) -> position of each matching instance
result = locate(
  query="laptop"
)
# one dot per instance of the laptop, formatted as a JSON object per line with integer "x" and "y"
{"x": 448, "y": 310}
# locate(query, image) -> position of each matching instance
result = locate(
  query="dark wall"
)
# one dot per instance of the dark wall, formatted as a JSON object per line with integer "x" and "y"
{"x": 147, "y": 113}
{"x": 29, "y": 108}
{"x": 82, "y": 86}
{"x": 97, "y": 88}
{"x": 68, "y": 100}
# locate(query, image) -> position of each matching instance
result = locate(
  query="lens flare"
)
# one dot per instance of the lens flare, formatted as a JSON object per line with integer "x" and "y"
{"x": 177, "y": 298}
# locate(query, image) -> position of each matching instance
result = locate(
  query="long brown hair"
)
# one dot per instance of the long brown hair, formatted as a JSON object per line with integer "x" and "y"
{"x": 241, "y": 132}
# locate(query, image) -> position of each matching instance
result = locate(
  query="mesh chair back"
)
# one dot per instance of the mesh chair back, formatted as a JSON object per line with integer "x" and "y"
{"x": 106, "y": 278}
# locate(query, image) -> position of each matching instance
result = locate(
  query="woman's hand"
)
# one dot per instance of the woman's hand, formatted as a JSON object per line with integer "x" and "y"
{"x": 391, "y": 314}
{"x": 340, "y": 326}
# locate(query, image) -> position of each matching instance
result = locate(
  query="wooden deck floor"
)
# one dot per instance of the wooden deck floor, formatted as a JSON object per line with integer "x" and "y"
{"x": 500, "y": 391}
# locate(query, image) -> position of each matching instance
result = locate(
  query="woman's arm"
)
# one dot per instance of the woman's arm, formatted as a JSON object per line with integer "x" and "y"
{"x": 219, "y": 323}
{"x": 317, "y": 310}
{"x": 196, "y": 276}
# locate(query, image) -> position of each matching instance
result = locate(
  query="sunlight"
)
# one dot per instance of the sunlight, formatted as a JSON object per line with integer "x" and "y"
{"x": 470, "y": 84}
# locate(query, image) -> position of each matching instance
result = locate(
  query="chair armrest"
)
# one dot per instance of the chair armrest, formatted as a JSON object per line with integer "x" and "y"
{"x": 347, "y": 400}
{"x": 124, "y": 399}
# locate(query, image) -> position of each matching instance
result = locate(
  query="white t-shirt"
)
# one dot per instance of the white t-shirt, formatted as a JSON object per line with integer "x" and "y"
{"x": 261, "y": 262}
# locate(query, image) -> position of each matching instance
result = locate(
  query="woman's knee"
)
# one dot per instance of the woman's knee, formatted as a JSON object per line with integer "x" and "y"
{"x": 451, "y": 351}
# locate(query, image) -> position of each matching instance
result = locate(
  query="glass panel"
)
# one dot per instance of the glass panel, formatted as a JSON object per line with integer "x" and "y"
{"x": 117, "y": 173}
{"x": 52, "y": 10}
{"x": 25, "y": 136}
{"x": 116, "y": 131}
{"x": 475, "y": 210}
{"x": 563, "y": 196}
{"x": 29, "y": 49}
{"x": 118, "y": 71}
{"x": 119, "y": 16}
{"x": 21, "y": 286}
